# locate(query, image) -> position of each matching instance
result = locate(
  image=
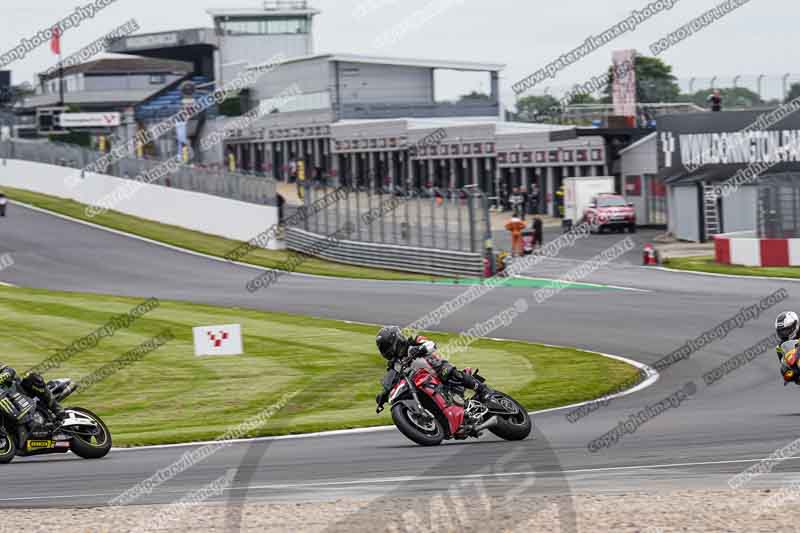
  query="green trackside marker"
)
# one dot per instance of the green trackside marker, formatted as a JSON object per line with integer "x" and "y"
{"x": 536, "y": 283}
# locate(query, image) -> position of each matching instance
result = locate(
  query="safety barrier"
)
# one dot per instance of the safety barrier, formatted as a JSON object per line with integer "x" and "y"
{"x": 744, "y": 248}
{"x": 404, "y": 258}
{"x": 214, "y": 182}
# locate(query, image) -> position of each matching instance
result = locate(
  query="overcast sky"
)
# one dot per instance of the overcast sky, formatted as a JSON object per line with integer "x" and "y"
{"x": 525, "y": 35}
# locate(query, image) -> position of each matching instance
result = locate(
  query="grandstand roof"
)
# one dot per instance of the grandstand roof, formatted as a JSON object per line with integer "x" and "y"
{"x": 126, "y": 65}
{"x": 117, "y": 97}
{"x": 401, "y": 61}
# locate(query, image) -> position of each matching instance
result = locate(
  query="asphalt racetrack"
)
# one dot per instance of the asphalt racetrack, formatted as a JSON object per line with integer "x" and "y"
{"x": 717, "y": 432}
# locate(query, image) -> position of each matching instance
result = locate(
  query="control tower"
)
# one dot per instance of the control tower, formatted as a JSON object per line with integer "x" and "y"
{"x": 241, "y": 37}
{"x": 282, "y": 29}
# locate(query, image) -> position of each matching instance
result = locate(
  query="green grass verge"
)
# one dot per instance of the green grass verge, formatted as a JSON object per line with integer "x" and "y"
{"x": 172, "y": 396}
{"x": 707, "y": 264}
{"x": 202, "y": 242}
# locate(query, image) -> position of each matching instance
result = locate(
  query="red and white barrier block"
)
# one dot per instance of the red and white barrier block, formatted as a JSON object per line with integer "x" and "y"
{"x": 747, "y": 250}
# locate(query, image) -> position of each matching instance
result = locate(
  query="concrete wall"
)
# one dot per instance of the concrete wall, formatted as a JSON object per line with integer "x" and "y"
{"x": 739, "y": 210}
{"x": 640, "y": 161}
{"x": 312, "y": 76}
{"x": 200, "y": 212}
{"x": 240, "y": 51}
{"x": 362, "y": 83}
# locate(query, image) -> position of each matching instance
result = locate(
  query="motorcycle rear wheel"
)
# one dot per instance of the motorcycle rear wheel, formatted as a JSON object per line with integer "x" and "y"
{"x": 94, "y": 448}
{"x": 513, "y": 427}
{"x": 427, "y": 434}
{"x": 8, "y": 449}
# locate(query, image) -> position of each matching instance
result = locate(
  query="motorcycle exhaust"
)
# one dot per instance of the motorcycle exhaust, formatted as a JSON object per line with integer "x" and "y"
{"x": 493, "y": 421}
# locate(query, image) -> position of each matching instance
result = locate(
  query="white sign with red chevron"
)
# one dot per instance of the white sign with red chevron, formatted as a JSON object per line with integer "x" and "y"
{"x": 218, "y": 340}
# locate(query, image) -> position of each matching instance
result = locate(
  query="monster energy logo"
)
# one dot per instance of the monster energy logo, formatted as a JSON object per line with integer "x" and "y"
{"x": 7, "y": 406}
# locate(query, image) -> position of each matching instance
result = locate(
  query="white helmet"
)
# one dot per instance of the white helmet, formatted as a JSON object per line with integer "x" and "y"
{"x": 787, "y": 325}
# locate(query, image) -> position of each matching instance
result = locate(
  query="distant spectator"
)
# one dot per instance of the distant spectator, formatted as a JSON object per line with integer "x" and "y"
{"x": 515, "y": 226}
{"x": 3, "y": 202}
{"x": 281, "y": 202}
{"x": 538, "y": 237}
{"x": 292, "y": 169}
{"x": 516, "y": 202}
{"x": 525, "y": 204}
{"x": 715, "y": 99}
{"x": 534, "y": 198}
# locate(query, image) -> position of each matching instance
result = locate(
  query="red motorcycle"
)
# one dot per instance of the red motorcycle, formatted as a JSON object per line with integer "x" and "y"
{"x": 428, "y": 411}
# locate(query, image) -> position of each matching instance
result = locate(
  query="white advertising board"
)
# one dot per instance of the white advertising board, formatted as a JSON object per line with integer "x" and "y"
{"x": 218, "y": 340}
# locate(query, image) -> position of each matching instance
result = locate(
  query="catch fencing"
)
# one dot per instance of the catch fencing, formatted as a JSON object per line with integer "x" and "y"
{"x": 447, "y": 220}
{"x": 216, "y": 182}
{"x": 779, "y": 206}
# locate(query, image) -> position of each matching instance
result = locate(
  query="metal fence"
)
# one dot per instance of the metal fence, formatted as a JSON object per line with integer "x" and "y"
{"x": 456, "y": 220}
{"x": 394, "y": 257}
{"x": 779, "y": 206}
{"x": 216, "y": 182}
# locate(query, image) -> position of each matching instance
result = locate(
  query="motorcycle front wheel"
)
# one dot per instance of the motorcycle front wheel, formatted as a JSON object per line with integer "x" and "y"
{"x": 517, "y": 425}
{"x": 89, "y": 446}
{"x": 424, "y": 431}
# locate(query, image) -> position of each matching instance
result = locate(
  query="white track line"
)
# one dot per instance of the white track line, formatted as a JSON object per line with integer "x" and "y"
{"x": 718, "y": 275}
{"x": 601, "y": 285}
{"x": 419, "y": 479}
{"x": 192, "y": 252}
{"x": 653, "y": 375}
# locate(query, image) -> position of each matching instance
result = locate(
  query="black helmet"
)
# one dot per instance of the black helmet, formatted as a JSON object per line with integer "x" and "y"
{"x": 787, "y": 325}
{"x": 389, "y": 340}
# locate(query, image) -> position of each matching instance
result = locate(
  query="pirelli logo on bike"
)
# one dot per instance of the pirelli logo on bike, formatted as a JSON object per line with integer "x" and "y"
{"x": 40, "y": 444}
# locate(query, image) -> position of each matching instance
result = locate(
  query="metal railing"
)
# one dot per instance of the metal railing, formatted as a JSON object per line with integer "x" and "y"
{"x": 213, "y": 181}
{"x": 403, "y": 258}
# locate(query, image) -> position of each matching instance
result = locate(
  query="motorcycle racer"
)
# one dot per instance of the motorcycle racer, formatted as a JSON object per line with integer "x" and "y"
{"x": 787, "y": 326}
{"x": 32, "y": 384}
{"x": 394, "y": 346}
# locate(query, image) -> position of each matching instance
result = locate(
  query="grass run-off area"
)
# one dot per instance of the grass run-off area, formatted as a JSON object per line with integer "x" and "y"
{"x": 171, "y": 395}
{"x": 202, "y": 242}
{"x": 707, "y": 264}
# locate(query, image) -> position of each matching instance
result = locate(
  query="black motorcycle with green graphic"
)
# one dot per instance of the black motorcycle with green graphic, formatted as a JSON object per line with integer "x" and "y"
{"x": 27, "y": 427}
